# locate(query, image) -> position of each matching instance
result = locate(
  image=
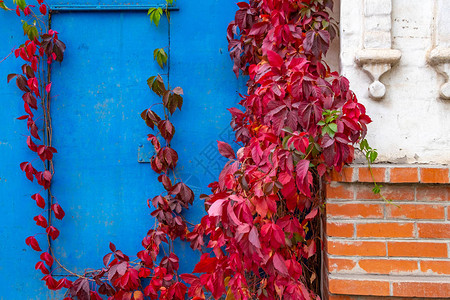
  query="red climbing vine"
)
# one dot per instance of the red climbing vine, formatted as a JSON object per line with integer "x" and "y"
{"x": 299, "y": 122}
{"x": 39, "y": 52}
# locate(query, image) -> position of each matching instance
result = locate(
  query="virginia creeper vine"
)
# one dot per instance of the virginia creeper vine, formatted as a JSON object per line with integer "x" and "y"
{"x": 300, "y": 121}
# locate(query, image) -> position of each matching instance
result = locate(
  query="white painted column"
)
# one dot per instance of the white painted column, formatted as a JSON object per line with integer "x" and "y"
{"x": 439, "y": 56}
{"x": 377, "y": 57}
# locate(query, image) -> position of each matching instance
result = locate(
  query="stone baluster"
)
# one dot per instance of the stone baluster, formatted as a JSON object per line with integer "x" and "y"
{"x": 439, "y": 55}
{"x": 377, "y": 57}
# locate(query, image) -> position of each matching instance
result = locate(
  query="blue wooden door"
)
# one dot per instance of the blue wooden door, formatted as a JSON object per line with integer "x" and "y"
{"x": 99, "y": 92}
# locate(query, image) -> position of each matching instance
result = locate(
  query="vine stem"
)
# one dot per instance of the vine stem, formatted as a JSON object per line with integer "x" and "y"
{"x": 61, "y": 265}
{"x": 6, "y": 57}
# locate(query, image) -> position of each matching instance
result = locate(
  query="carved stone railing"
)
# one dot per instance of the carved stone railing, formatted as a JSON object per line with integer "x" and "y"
{"x": 377, "y": 57}
{"x": 439, "y": 56}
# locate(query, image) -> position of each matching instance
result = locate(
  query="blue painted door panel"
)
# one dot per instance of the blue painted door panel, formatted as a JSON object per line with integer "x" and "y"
{"x": 18, "y": 279}
{"x": 99, "y": 92}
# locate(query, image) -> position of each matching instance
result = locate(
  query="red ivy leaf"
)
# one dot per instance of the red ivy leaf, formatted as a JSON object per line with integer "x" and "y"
{"x": 31, "y": 144}
{"x": 59, "y": 212}
{"x": 52, "y": 232}
{"x": 226, "y": 150}
{"x": 167, "y": 130}
{"x": 273, "y": 234}
{"x": 40, "y": 265}
{"x": 41, "y": 221}
{"x": 206, "y": 264}
{"x": 81, "y": 288}
{"x": 43, "y": 10}
{"x": 94, "y": 296}
{"x": 106, "y": 259}
{"x": 33, "y": 243}
{"x": 144, "y": 272}
{"x": 302, "y": 169}
{"x": 45, "y": 256}
{"x": 312, "y": 214}
{"x": 216, "y": 208}
{"x": 309, "y": 250}
{"x": 10, "y": 77}
{"x": 280, "y": 266}
{"x": 274, "y": 58}
{"x": 34, "y": 131}
{"x": 39, "y": 200}
{"x": 321, "y": 169}
{"x": 253, "y": 237}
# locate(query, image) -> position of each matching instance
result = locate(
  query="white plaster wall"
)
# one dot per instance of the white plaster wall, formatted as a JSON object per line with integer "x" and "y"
{"x": 411, "y": 124}
{"x": 332, "y": 57}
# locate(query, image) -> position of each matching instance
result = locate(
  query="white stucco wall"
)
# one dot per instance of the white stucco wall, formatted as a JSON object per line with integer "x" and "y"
{"x": 411, "y": 124}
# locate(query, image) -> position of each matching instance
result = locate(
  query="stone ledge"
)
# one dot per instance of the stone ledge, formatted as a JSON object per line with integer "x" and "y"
{"x": 439, "y": 56}
{"x": 395, "y": 174}
{"x": 378, "y": 56}
{"x": 389, "y": 285}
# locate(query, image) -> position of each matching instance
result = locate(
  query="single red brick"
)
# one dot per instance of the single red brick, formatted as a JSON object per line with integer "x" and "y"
{"x": 421, "y": 289}
{"x": 340, "y": 264}
{"x": 434, "y": 230}
{"x": 387, "y": 266}
{"x": 346, "y": 175}
{"x": 364, "y": 192}
{"x": 434, "y": 175}
{"x": 355, "y": 210}
{"x": 433, "y": 193}
{"x": 357, "y": 248}
{"x": 379, "y": 174}
{"x": 417, "y": 249}
{"x": 340, "y": 297}
{"x": 359, "y": 287}
{"x": 390, "y": 192}
{"x": 400, "y": 175}
{"x": 340, "y": 229}
{"x": 415, "y": 211}
{"x": 384, "y": 229}
{"x": 340, "y": 191}
{"x": 435, "y": 266}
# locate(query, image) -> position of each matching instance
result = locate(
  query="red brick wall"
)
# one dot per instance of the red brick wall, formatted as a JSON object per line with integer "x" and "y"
{"x": 388, "y": 250}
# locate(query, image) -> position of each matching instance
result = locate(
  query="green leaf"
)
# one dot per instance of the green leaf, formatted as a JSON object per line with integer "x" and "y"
{"x": 327, "y": 129}
{"x": 150, "y": 81}
{"x": 24, "y": 26}
{"x": 158, "y": 86}
{"x": 364, "y": 144}
{"x": 155, "y": 15}
{"x": 3, "y": 6}
{"x": 21, "y": 3}
{"x": 284, "y": 142}
{"x": 373, "y": 156}
{"x": 160, "y": 56}
{"x": 321, "y": 123}
{"x": 333, "y": 127}
{"x": 287, "y": 129}
{"x": 376, "y": 189}
{"x": 33, "y": 33}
